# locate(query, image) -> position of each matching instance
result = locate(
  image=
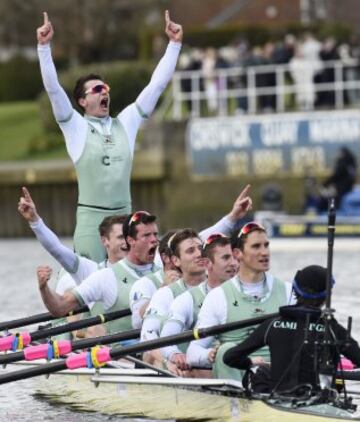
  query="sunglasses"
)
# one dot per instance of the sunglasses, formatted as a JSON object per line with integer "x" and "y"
{"x": 212, "y": 238}
{"x": 247, "y": 228}
{"x": 97, "y": 89}
{"x": 136, "y": 217}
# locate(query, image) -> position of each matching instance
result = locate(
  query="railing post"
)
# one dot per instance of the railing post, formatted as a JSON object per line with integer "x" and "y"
{"x": 339, "y": 85}
{"x": 195, "y": 94}
{"x": 280, "y": 88}
{"x": 177, "y": 103}
{"x": 251, "y": 89}
{"x": 223, "y": 93}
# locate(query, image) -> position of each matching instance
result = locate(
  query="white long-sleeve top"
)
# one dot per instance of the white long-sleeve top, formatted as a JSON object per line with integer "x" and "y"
{"x": 214, "y": 312}
{"x": 74, "y": 125}
{"x": 102, "y": 286}
{"x": 157, "y": 310}
{"x": 77, "y": 266}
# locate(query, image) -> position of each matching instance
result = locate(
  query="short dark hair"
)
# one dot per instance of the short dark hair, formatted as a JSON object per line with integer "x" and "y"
{"x": 108, "y": 222}
{"x": 238, "y": 239}
{"x": 130, "y": 224}
{"x": 79, "y": 89}
{"x": 208, "y": 249}
{"x": 179, "y": 237}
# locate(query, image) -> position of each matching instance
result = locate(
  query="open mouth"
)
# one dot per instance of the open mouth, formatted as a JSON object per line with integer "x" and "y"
{"x": 104, "y": 102}
{"x": 152, "y": 251}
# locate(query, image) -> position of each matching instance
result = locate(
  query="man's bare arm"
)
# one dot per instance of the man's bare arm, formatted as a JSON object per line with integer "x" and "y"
{"x": 56, "y": 304}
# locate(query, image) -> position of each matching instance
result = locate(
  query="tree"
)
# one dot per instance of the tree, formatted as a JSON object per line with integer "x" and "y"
{"x": 85, "y": 30}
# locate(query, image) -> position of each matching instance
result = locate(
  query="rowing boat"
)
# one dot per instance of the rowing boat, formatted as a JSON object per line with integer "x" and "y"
{"x": 143, "y": 393}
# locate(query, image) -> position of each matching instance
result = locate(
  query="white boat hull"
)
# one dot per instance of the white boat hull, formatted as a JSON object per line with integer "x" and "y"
{"x": 139, "y": 393}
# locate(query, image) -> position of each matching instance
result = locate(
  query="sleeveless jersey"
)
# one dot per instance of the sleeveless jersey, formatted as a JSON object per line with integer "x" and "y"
{"x": 126, "y": 276}
{"x": 198, "y": 294}
{"x": 157, "y": 278}
{"x": 241, "y": 306}
{"x": 104, "y": 168}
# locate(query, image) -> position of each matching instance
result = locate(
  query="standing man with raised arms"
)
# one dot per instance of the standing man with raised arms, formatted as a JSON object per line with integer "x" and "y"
{"x": 102, "y": 147}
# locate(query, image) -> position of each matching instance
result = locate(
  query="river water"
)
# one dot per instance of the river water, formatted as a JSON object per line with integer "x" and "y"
{"x": 20, "y": 297}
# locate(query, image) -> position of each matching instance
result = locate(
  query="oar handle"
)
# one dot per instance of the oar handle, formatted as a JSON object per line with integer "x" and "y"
{"x": 64, "y": 347}
{"x": 36, "y": 319}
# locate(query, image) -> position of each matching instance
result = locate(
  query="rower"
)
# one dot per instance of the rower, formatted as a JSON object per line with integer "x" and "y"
{"x": 186, "y": 248}
{"x": 143, "y": 289}
{"x": 295, "y": 338}
{"x": 252, "y": 292}
{"x": 221, "y": 266}
{"x": 75, "y": 268}
{"x": 111, "y": 286}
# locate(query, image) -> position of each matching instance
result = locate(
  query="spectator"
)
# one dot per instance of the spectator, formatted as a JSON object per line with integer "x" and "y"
{"x": 342, "y": 179}
{"x": 284, "y": 50}
{"x": 190, "y": 61}
{"x": 351, "y": 73}
{"x": 302, "y": 73}
{"x": 328, "y": 53}
{"x": 268, "y": 101}
{"x": 208, "y": 68}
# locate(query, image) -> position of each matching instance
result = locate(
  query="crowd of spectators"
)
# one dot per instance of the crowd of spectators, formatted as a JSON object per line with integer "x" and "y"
{"x": 305, "y": 57}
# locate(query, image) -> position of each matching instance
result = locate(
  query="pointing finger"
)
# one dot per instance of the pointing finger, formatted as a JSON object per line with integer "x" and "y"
{"x": 26, "y": 193}
{"x": 244, "y": 192}
{"x": 167, "y": 17}
{"x": 46, "y": 18}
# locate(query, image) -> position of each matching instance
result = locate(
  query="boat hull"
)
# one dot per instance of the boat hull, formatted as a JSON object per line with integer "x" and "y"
{"x": 133, "y": 395}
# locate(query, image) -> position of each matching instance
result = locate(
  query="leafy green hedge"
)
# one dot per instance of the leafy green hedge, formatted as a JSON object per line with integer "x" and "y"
{"x": 126, "y": 79}
{"x": 19, "y": 80}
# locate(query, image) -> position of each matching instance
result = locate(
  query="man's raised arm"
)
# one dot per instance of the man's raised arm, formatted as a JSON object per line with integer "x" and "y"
{"x": 60, "y": 102}
{"x": 164, "y": 71}
{"x": 241, "y": 206}
{"x": 48, "y": 239}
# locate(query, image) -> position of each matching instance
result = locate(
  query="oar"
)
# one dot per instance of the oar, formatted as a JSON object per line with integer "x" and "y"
{"x": 142, "y": 364}
{"x": 63, "y": 347}
{"x": 19, "y": 340}
{"x": 349, "y": 375}
{"x": 36, "y": 319}
{"x": 105, "y": 354}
